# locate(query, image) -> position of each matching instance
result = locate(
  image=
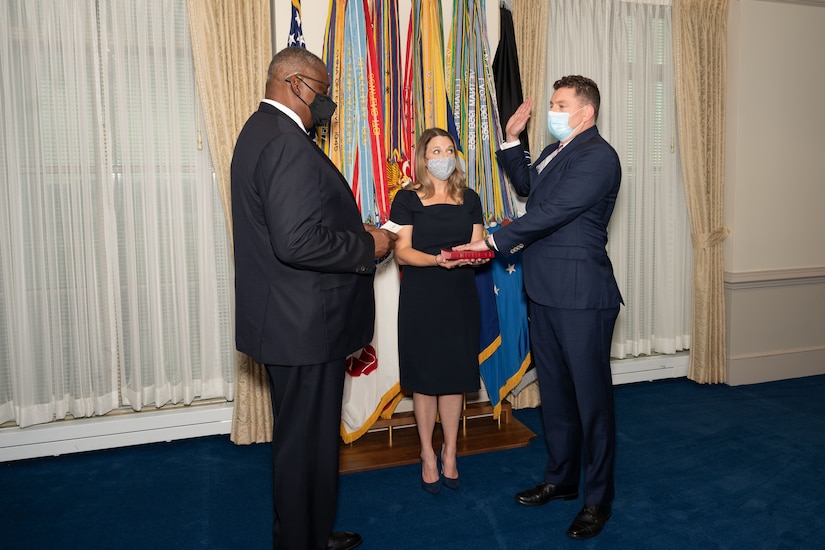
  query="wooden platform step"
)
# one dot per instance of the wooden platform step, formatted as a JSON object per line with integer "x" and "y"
{"x": 394, "y": 442}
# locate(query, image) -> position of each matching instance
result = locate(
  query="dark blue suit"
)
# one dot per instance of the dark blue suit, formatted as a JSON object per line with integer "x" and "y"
{"x": 303, "y": 302}
{"x": 574, "y": 301}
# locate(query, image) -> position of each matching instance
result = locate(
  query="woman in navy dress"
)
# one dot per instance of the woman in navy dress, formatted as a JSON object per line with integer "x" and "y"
{"x": 438, "y": 313}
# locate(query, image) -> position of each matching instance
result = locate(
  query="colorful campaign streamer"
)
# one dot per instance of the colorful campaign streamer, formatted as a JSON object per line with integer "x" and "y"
{"x": 426, "y": 102}
{"x": 355, "y": 139}
{"x": 329, "y": 138}
{"x": 362, "y": 84}
{"x": 429, "y": 92}
{"x": 376, "y": 121}
{"x": 505, "y": 353}
{"x": 473, "y": 100}
{"x": 387, "y": 45}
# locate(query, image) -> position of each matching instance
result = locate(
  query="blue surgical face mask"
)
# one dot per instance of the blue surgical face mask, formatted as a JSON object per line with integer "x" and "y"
{"x": 442, "y": 167}
{"x": 557, "y": 124}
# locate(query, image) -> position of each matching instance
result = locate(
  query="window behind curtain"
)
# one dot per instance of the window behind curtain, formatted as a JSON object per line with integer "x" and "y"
{"x": 115, "y": 277}
{"x": 626, "y": 47}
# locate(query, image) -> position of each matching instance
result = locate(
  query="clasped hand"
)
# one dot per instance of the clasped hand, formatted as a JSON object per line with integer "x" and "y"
{"x": 472, "y": 262}
{"x": 449, "y": 264}
{"x": 475, "y": 246}
{"x": 384, "y": 240}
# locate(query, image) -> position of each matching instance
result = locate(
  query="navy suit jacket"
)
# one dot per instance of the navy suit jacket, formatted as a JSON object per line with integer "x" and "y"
{"x": 563, "y": 233}
{"x": 303, "y": 260}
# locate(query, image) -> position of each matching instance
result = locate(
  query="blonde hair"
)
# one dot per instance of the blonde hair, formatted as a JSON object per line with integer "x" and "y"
{"x": 456, "y": 183}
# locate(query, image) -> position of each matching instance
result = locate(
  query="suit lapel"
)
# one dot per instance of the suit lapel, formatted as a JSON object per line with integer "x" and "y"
{"x": 546, "y": 153}
{"x": 566, "y": 150}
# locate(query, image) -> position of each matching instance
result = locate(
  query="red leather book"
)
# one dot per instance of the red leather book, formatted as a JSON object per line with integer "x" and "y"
{"x": 466, "y": 254}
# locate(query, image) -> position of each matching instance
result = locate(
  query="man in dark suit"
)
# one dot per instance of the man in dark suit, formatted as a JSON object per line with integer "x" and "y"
{"x": 304, "y": 266}
{"x": 573, "y": 296}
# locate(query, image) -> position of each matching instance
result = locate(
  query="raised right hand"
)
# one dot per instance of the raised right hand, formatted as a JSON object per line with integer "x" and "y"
{"x": 518, "y": 121}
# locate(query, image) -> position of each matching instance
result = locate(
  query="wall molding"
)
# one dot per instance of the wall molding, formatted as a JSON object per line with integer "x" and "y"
{"x": 774, "y": 277}
{"x": 815, "y": 3}
{"x": 776, "y": 353}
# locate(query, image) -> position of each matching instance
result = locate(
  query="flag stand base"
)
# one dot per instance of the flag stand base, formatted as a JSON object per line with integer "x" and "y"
{"x": 394, "y": 441}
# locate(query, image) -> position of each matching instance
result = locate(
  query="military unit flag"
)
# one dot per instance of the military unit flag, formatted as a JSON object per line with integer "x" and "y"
{"x": 382, "y": 106}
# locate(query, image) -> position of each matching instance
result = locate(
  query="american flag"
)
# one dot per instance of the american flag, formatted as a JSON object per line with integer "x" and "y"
{"x": 296, "y": 32}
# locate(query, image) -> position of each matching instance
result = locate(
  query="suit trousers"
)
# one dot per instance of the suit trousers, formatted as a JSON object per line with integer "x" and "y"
{"x": 306, "y": 405}
{"x": 571, "y": 351}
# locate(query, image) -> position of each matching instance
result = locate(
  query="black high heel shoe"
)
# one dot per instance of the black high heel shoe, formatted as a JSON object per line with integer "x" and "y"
{"x": 453, "y": 483}
{"x": 434, "y": 487}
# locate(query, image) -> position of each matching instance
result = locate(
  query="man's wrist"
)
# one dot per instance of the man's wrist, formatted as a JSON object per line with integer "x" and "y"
{"x": 491, "y": 244}
{"x": 510, "y": 144}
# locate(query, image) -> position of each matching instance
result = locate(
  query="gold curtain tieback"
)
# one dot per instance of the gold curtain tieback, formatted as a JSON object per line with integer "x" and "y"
{"x": 706, "y": 240}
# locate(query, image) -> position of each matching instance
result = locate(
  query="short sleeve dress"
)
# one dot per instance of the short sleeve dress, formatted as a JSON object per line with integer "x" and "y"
{"x": 438, "y": 310}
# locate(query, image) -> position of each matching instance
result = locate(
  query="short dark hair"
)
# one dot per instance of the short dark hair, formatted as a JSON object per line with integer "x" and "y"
{"x": 586, "y": 90}
{"x": 292, "y": 60}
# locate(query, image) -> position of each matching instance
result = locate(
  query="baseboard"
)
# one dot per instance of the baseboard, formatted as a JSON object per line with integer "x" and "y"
{"x": 756, "y": 369}
{"x": 650, "y": 368}
{"x": 123, "y": 430}
{"x": 108, "y": 432}
{"x": 773, "y": 324}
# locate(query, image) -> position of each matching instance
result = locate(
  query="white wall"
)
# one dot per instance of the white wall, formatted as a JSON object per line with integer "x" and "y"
{"x": 775, "y": 190}
{"x": 776, "y": 176}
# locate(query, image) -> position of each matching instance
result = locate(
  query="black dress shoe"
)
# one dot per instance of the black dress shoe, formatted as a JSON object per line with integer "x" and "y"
{"x": 344, "y": 540}
{"x": 589, "y": 522}
{"x": 545, "y": 492}
{"x": 453, "y": 483}
{"x": 435, "y": 487}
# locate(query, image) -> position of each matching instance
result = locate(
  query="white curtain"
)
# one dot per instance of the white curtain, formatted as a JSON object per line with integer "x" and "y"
{"x": 115, "y": 275}
{"x": 626, "y": 47}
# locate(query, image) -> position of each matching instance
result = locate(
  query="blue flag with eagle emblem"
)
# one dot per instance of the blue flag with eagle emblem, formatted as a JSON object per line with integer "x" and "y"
{"x": 505, "y": 342}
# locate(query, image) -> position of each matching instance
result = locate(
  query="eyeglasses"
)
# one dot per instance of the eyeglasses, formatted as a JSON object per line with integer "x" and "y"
{"x": 301, "y": 77}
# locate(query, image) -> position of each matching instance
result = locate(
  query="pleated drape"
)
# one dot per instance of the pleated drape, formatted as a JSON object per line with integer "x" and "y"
{"x": 232, "y": 47}
{"x": 530, "y": 22}
{"x": 700, "y": 50}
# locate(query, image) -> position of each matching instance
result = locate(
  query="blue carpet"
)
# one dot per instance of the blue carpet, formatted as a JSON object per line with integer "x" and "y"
{"x": 697, "y": 467}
